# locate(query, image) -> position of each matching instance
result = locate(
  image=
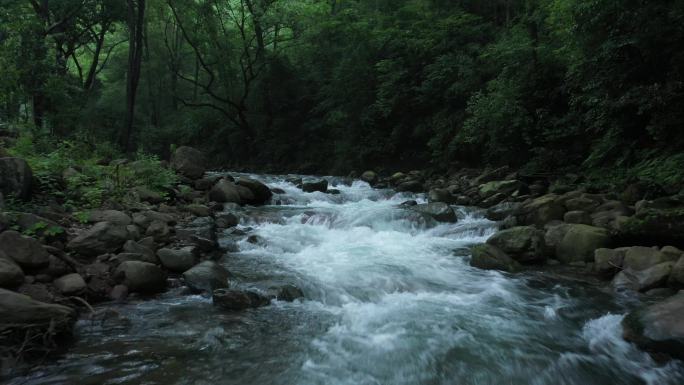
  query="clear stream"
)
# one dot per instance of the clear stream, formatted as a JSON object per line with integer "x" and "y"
{"x": 390, "y": 299}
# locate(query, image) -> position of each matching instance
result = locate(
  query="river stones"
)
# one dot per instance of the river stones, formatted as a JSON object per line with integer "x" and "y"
{"x": 232, "y": 299}
{"x": 112, "y": 216}
{"x": 178, "y": 260}
{"x": 540, "y": 211}
{"x": 658, "y": 328}
{"x": 206, "y": 276}
{"x": 16, "y": 178}
{"x": 260, "y": 192}
{"x": 580, "y": 242}
{"x": 315, "y": 185}
{"x": 439, "y": 211}
{"x": 287, "y": 293}
{"x": 225, "y": 191}
{"x": 490, "y": 257}
{"x": 525, "y": 244}
{"x": 18, "y": 311}
{"x": 643, "y": 280}
{"x": 141, "y": 277}
{"x": 101, "y": 238}
{"x": 11, "y": 274}
{"x": 369, "y": 177}
{"x": 25, "y": 251}
{"x": 641, "y": 258}
{"x": 70, "y": 284}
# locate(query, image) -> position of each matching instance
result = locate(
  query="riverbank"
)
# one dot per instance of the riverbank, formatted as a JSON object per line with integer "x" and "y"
{"x": 131, "y": 252}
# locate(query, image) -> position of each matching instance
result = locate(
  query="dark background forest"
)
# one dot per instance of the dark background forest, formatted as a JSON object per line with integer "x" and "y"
{"x": 546, "y": 86}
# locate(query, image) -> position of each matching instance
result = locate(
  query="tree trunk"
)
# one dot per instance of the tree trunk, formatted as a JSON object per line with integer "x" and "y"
{"x": 136, "y": 16}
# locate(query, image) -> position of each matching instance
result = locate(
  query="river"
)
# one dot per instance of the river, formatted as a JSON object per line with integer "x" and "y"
{"x": 390, "y": 299}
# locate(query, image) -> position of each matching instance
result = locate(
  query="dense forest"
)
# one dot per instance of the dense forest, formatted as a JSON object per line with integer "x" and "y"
{"x": 548, "y": 86}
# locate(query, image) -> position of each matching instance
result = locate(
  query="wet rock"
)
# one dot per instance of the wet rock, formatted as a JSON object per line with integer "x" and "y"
{"x": 25, "y": 251}
{"x": 676, "y": 279}
{"x": 16, "y": 178}
{"x": 580, "y": 242}
{"x": 188, "y": 162}
{"x": 102, "y": 238}
{"x": 656, "y": 222}
{"x": 232, "y": 299}
{"x": 505, "y": 187}
{"x": 124, "y": 257}
{"x": 144, "y": 219}
{"x": 540, "y": 211}
{"x": 112, "y": 216}
{"x": 200, "y": 232}
{"x": 641, "y": 258}
{"x": 70, "y": 284}
{"x": 261, "y": 193}
{"x": 225, "y": 191}
{"x": 141, "y": 277}
{"x": 18, "y": 311}
{"x": 658, "y": 328}
{"x": 409, "y": 203}
{"x": 582, "y": 203}
{"x": 11, "y": 275}
{"x": 643, "y": 280}
{"x": 147, "y": 195}
{"x": 316, "y": 185}
{"x": 39, "y": 226}
{"x": 502, "y": 210}
{"x": 608, "y": 262}
{"x": 178, "y": 260}
{"x": 525, "y": 244}
{"x": 118, "y": 293}
{"x": 334, "y": 191}
{"x": 578, "y": 217}
{"x": 439, "y": 211}
{"x": 141, "y": 248}
{"x": 198, "y": 210}
{"x": 489, "y": 257}
{"x": 206, "y": 276}
{"x": 411, "y": 186}
{"x": 369, "y": 177}
{"x": 287, "y": 293}
{"x": 226, "y": 220}
{"x": 205, "y": 184}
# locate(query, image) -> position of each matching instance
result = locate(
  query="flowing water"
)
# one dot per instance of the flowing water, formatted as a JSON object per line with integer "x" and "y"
{"x": 390, "y": 299}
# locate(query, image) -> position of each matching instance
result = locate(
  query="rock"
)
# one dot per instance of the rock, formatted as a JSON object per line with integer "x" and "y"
{"x": 141, "y": 277}
{"x": 643, "y": 280}
{"x": 133, "y": 232}
{"x": 238, "y": 299}
{"x": 409, "y": 203}
{"x": 411, "y": 186}
{"x": 112, "y": 216}
{"x": 205, "y": 184}
{"x": 578, "y": 217}
{"x": 18, "y": 310}
{"x": 439, "y": 211}
{"x": 555, "y": 233}
{"x": 158, "y": 230}
{"x": 206, "y": 276}
{"x": 489, "y": 257}
{"x": 144, "y": 219}
{"x": 102, "y": 238}
{"x": 658, "y": 328}
{"x": 540, "y": 211}
{"x": 70, "y": 284}
{"x": 188, "y": 162}
{"x": 656, "y": 222}
{"x": 11, "y": 274}
{"x": 39, "y": 226}
{"x": 16, "y": 178}
{"x": 441, "y": 195}
{"x": 369, "y": 177}
{"x": 493, "y": 200}
{"x": 261, "y": 193}
{"x": 524, "y": 244}
{"x": 641, "y": 258}
{"x": 201, "y": 232}
{"x": 287, "y": 293}
{"x": 501, "y": 211}
{"x": 608, "y": 262}
{"x": 580, "y": 242}
{"x": 226, "y": 220}
{"x": 178, "y": 260}
{"x": 25, "y": 251}
{"x": 582, "y": 203}
{"x": 124, "y": 257}
{"x": 198, "y": 210}
{"x": 132, "y": 247}
{"x": 677, "y": 275}
{"x": 317, "y": 185}
{"x": 672, "y": 252}
{"x": 118, "y": 293}
{"x": 505, "y": 187}
{"x": 225, "y": 191}
{"x": 147, "y": 195}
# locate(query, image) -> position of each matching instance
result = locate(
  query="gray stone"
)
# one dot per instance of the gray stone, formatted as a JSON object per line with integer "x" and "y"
{"x": 198, "y": 210}
{"x": 540, "y": 211}
{"x": 70, "y": 284}
{"x": 16, "y": 178}
{"x": 677, "y": 275}
{"x": 112, "y": 216}
{"x": 578, "y": 217}
{"x": 525, "y": 244}
{"x": 369, "y": 177}
{"x": 643, "y": 280}
{"x": 158, "y": 230}
{"x": 580, "y": 242}
{"x": 658, "y": 328}
{"x": 439, "y": 211}
{"x": 11, "y": 274}
{"x": 262, "y": 194}
{"x": 225, "y": 191}
{"x": 178, "y": 260}
{"x": 17, "y": 310}
{"x": 25, "y": 251}
{"x": 607, "y": 262}
{"x": 101, "y": 238}
{"x": 188, "y": 162}
{"x": 641, "y": 258}
{"x": 489, "y": 257}
{"x": 238, "y": 299}
{"x": 141, "y": 277}
{"x": 315, "y": 185}
{"x": 287, "y": 293}
{"x": 206, "y": 276}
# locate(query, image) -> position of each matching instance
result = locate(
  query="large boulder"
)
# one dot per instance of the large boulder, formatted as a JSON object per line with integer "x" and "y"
{"x": 16, "y": 178}
{"x": 101, "y": 238}
{"x": 525, "y": 244}
{"x": 225, "y": 191}
{"x": 540, "y": 211}
{"x": 501, "y": 211}
{"x": 643, "y": 280}
{"x": 159, "y": 231}
{"x": 232, "y": 299}
{"x": 580, "y": 242}
{"x": 489, "y": 257}
{"x": 18, "y": 311}
{"x": 188, "y": 162}
{"x": 677, "y": 275}
{"x": 141, "y": 277}
{"x": 505, "y": 187}
{"x": 658, "y": 328}
{"x": 608, "y": 262}
{"x": 206, "y": 276}
{"x": 25, "y": 251}
{"x": 656, "y": 222}
{"x": 70, "y": 284}
{"x": 11, "y": 274}
{"x": 411, "y": 186}
{"x": 641, "y": 258}
{"x": 439, "y": 211}
{"x": 178, "y": 260}
{"x": 261, "y": 193}
{"x": 370, "y": 177}
{"x": 112, "y": 216}
{"x": 315, "y": 185}
{"x": 200, "y": 232}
